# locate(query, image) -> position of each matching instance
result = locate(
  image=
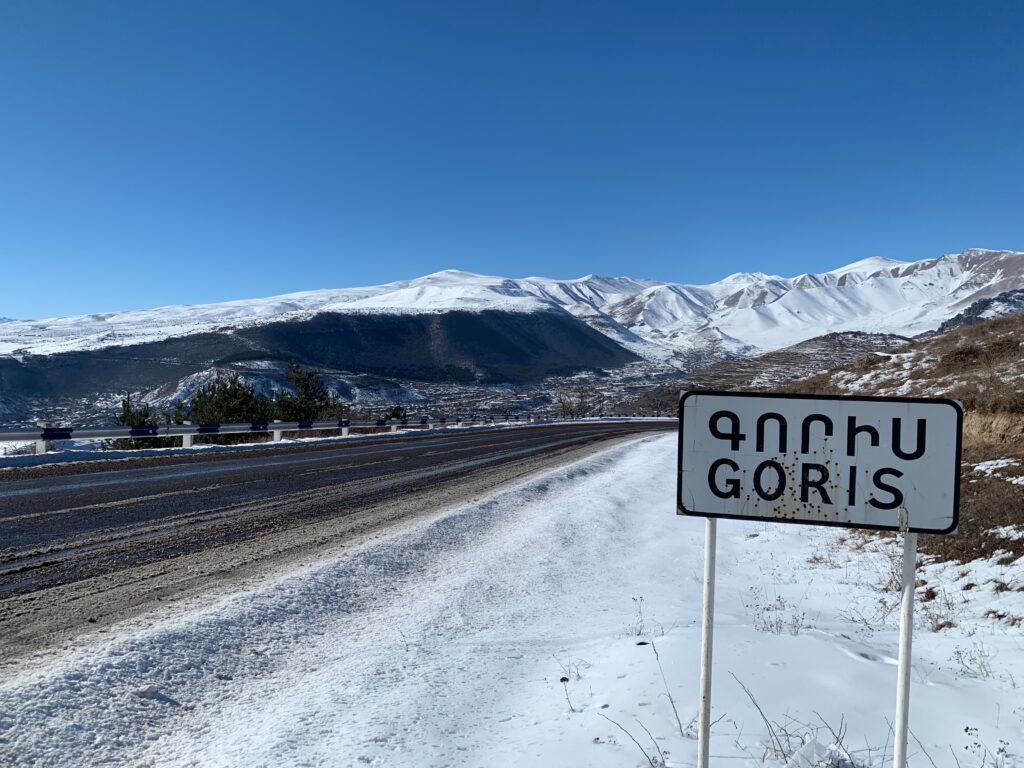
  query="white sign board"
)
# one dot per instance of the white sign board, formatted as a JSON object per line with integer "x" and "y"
{"x": 858, "y": 462}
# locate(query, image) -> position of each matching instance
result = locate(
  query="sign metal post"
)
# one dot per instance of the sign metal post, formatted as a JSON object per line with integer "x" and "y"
{"x": 880, "y": 463}
{"x": 707, "y": 630}
{"x": 899, "y": 753}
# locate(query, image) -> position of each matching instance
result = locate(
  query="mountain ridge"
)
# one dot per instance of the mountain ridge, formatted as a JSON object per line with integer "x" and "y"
{"x": 453, "y": 334}
{"x": 744, "y": 313}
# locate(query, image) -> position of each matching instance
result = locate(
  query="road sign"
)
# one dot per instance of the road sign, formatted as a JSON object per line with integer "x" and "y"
{"x": 858, "y": 462}
{"x": 888, "y": 463}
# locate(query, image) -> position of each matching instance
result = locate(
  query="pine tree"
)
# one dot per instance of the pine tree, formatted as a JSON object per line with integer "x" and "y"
{"x": 229, "y": 400}
{"x": 134, "y": 416}
{"x": 137, "y": 416}
{"x": 397, "y": 412}
{"x": 310, "y": 400}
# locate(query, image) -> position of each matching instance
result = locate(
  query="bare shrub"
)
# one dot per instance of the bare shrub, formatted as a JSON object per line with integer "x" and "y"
{"x": 975, "y": 661}
{"x": 793, "y": 742}
{"x": 640, "y": 625}
{"x": 986, "y": 757}
{"x": 1009, "y": 618}
{"x": 657, "y": 760}
{"x": 866, "y": 363}
{"x": 991, "y": 395}
{"x": 941, "y": 611}
{"x": 775, "y": 615}
{"x": 579, "y": 401}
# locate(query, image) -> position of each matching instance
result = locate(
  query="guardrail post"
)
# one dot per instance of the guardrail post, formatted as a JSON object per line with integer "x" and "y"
{"x": 394, "y": 427}
{"x": 42, "y": 446}
{"x": 186, "y": 440}
{"x": 277, "y": 434}
{"x": 344, "y": 431}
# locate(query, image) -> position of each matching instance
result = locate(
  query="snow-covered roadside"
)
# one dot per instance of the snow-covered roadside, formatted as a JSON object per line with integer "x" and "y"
{"x": 8, "y": 448}
{"x": 445, "y": 644}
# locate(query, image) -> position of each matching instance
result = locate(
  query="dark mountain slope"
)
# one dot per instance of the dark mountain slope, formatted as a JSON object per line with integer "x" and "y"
{"x": 488, "y": 347}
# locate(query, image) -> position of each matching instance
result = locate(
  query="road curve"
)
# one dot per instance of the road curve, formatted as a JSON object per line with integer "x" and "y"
{"x": 70, "y": 534}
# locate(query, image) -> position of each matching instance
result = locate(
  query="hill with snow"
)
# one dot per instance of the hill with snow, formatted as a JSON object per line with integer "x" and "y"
{"x": 1007, "y": 303}
{"x": 740, "y": 314}
{"x": 765, "y": 371}
{"x": 434, "y": 338}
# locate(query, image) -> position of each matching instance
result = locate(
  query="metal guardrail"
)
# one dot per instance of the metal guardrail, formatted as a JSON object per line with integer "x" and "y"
{"x": 43, "y": 434}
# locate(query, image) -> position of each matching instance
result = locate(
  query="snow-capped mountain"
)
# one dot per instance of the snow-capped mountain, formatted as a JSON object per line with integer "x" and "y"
{"x": 440, "y": 336}
{"x": 743, "y": 313}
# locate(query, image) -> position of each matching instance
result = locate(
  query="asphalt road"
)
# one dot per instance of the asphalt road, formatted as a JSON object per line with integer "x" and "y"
{"x": 58, "y": 528}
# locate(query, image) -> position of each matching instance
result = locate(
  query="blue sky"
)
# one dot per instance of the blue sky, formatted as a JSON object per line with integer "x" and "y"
{"x": 182, "y": 152}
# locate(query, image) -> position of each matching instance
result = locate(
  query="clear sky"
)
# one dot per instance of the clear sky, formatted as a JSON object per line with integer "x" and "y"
{"x": 181, "y": 152}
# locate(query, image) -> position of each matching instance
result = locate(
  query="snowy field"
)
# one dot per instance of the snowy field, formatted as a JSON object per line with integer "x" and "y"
{"x": 547, "y": 625}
